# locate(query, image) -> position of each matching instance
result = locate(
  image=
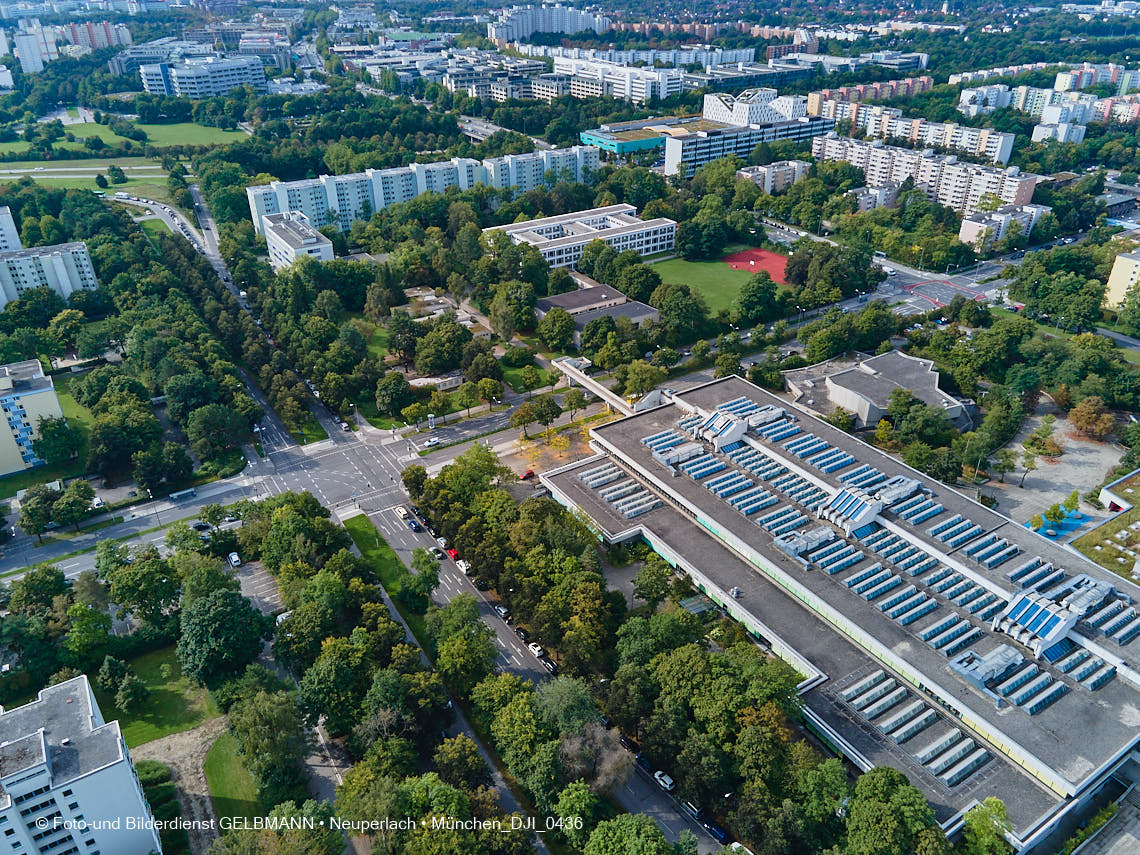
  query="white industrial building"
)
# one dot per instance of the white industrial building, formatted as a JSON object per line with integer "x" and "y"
{"x": 203, "y": 77}
{"x": 290, "y": 236}
{"x": 943, "y": 178}
{"x": 345, "y": 198}
{"x": 65, "y": 773}
{"x": 561, "y": 239}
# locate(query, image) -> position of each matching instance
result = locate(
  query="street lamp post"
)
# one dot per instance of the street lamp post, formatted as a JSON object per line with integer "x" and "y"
{"x": 154, "y": 507}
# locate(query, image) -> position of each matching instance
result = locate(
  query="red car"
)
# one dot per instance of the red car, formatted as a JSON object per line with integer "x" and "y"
{"x": 453, "y": 554}
{"x": 526, "y": 476}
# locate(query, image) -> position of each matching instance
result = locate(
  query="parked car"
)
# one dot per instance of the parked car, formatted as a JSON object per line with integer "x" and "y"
{"x": 526, "y": 476}
{"x": 235, "y": 559}
{"x": 627, "y": 743}
{"x": 549, "y": 664}
{"x": 718, "y": 833}
{"x": 523, "y": 635}
{"x": 480, "y": 585}
{"x": 643, "y": 761}
{"x": 664, "y": 781}
{"x": 431, "y": 442}
{"x": 464, "y": 566}
{"x": 413, "y": 525}
{"x": 97, "y": 503}
{"x": 453, "y": 554}
{"x": 536, "y": 649}
{"x": 200, "y": 526}
{"x": 502, "y": 611}
{"x": 437, "y": 553}
{"x": 442, "y": 541}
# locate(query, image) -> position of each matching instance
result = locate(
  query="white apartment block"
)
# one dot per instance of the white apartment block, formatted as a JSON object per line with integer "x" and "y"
{"x": 979, "y": 100}
{"x": 203, "y": 77}
{"x": 341, "y": 199}
{"x": 64, "y": 267}
{"x": 1035, "y": 100}
{"x": 1066, "y": 132}
{"x": 775, "y": 177}
{"x": 561, "y": 239}
{"x": 753, "y": 107}
{"x": 1122, "y": 279}
{"x": 1001, "y": 71}
{"x": 27, "y": 47}
{"x": 705, "y": 55}
{"x": 94, "y": 34}
{"x": 62, "y": 770}
{"x": 943, "y": 178}
{"x": 26, "y": 396}
{"x": 980, "y": 142}
{"x": 520, "y": 22}
{"x": 6, "y": 81}
{"x": 982, "y": 228}
{"x": 625, "y": 82}
{"x": 9, "y": 235}
{"x": 290, "y": 236}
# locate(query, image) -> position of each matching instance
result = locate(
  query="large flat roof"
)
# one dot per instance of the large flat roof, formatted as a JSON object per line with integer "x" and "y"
{"x": 848, "y": 637}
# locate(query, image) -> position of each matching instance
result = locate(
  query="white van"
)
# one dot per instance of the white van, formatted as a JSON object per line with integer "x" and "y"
{"x": 401, "y": 512}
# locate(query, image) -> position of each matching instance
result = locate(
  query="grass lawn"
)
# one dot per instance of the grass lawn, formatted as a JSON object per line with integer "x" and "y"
{"x": 714, "y": 280}
{"x": 174, "y": 704}
{"x": 389, "y": 570}
{"x": 81, "y": 164}
{"x": 67, "y": 534}
{"x": 189, "y": 133}
{"x": 232, "y": 789}
{"x": 378, "y": 344}
{"x": 154, "y": 228}
{"x": 311, "y": 431}
{"x": 373, "y": 416}
{"x": 513, "y": 378}
{"x": 15, "y": 146}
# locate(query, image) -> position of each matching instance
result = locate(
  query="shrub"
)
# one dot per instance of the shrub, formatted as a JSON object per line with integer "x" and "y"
{"x": 160, "y": 794}
{"x": 517, "y": 357}
{"x": 151, "y": 772}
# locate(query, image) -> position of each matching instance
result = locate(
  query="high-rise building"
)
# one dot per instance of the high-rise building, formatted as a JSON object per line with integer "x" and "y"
{"x": 982, "y": 228}
{"x": 203, "y": 77}
{"x": 341, "y": 199}
{"x": 944, "y": 178}
{"x": 775, "y": 177}
{"x": 591, "y": 78}
{"x": 62, "y": 767}
{"x": 26, "y": 396}
{"x": 95, "y": 34}
{"x": 27, "y": 47}
{"x": 1125, "y": 272}
{"x": 9, "y": 235}
{"x": 64, "y": 268}
{"x": 520, "y": 22}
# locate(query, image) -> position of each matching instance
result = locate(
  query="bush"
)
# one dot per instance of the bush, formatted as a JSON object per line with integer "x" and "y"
{"x": 160, "y": 794}
{"x": 517, "y": 357}
{"x": 167, "y": 811}
{"x": 151, "y": 772}
{"x": 256, "y": 678}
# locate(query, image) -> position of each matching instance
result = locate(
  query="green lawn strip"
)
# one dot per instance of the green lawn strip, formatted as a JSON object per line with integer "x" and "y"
{"x": 154, "y": 228}
{"x": 390, "y": 570}
{"x": 15, "y": 146}
{"x": 232, "y": 789}
{"x": 68, "y": 534}
{"x": 174, "y": 704}
{"x": 12, "y": 484}
{"x": 81, "y": 164}
{"x": 378, "y": 343}
{"x": 714, "y": 280}
{"x": 371, "y": 415}
{"x": 311, "y": 431}
{"x": 513, "y": 378}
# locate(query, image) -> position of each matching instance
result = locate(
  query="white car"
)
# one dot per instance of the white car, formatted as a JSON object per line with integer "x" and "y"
{"x": 235, "y": 559}
{"x": 664, "y": 781}
{"x": 890, "y": 271}
{"x": 536, "y": 649}
{"x": 431, "y": 443}
{"x": 442, "y": 541}
{"x": 464, "y": 566}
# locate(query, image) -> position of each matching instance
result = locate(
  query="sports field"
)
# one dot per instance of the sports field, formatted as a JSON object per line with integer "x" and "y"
{"x": 718, "y": 281}
{"x": 755, "y": 260}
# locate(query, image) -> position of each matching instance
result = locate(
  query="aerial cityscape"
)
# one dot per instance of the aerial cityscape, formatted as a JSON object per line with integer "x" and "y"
{"x": 569, "y": 429}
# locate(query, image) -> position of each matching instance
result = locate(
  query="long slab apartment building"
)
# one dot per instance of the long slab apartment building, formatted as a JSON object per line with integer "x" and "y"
{"x": 944, "y": 178}
{"x": 360, "y": 194}
{"x": 932, "y": 634}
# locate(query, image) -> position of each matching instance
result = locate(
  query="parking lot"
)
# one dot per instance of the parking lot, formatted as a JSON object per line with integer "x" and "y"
{"x": 260, "y": 587}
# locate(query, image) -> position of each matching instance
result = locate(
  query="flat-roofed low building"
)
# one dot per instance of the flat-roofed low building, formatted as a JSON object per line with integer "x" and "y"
{"x": 1125, "y": 272}
{"x": 931, "y": 634}
{"x": 561, "y": 239}
{"x": 291, "y": 236}
{"x": 863, "y": 386}
{"x": 634, "y": 311}
{"x": 65, "y": 775}
{"x": 982, "y": 228}
{"x": 581, "y": 300}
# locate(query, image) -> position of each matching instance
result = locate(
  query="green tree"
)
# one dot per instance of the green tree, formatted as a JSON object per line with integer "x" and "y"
{"x": 116, "y": 174}
{"x": 523, "y": 416}
{"x": 556, "y": 329}
{"x": 1005, "y": 462}
{"x": 573, "y": 401}
{"x": 531, "y": 378}
{"x": 1054, "y": 514}
{"x": 459, "y": 763}
{"x": 580, "y": 809}
{"x": 132, "y": 693}
{"x": 334, "y": 687}
{"x": 985, "y": 828}
{"x": 1029, "y": 462}
{"x": 652, "y": 581}
{"x": 271, "y": 738}
{"x": 489, "y": 390}
{"x": 625, "y": 834}
{"x": 886, "y": 815}
{"x": 414, "y": 413}
{"x": 215, "y": 429}
{"x": 467, "y": 396}
{"x": 1036, "y": 521}
{"x": 414, "y": 477}
{"x": 88, "y": 634}
{"x": 643, "y": 377}
{"x": 36, "y": 511}
{"x": 221, "y": 634}
{"x": 55, "y": 441}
